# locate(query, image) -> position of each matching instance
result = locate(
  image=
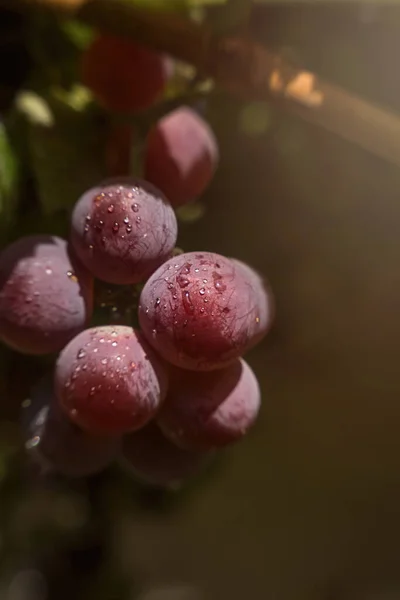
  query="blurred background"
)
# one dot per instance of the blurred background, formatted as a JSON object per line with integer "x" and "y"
{"x": 309, "y": 505}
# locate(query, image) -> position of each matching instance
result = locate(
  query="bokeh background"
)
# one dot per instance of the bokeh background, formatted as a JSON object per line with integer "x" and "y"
{"x": 309, "y": 505}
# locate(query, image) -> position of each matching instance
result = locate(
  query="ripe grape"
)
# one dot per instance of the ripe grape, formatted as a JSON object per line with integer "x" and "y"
{"x": 201, "y": 310}
{"x": 123, "y": 230}
{"x": 124, "y": 76}
{"x": 157, "y": 461}
{"x": 54, "y": 443}
{"x": 181, "y": 155}
{"x": 109, "y": 381}
{"x": 45, "y": 295}
{"x": 210, "y": 410}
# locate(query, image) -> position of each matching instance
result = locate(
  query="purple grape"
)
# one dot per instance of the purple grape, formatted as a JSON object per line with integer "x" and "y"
{"x": 123, "y": 230}
{"x": 210, "y": 410}
{"x": 201, "y": 310}
{"x": 56, "y": 444}
{"x": 181, "y": 155}
{"x": 46, "y": 296}
{"x": 156, "y": 461}
{"x": 109, "y": 381}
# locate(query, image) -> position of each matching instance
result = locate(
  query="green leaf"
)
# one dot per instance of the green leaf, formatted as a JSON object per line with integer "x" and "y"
{"x": 77, "y": 33}
{"x": 67, "y": 158}
{"x": 9, "y": 179}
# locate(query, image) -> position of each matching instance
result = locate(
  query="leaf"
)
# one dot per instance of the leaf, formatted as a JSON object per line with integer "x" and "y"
{"x": 68, "y": 157}
{"x": 9, "y": 179}
{"x": 77, "y": 33}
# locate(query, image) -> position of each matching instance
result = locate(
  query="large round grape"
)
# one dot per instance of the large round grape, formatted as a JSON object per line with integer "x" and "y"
{"x": 123, "y": 230}
{"x": 181, "y": 155}
{"x": 56, "y": 444}
{"x": 155, "y": 460}
{"x": 202, "y": 310}
{"x": 124, "y": 76}
{"x": 45, "y": 295}
{"x": 210, "y": 410}
{"x": 109, "y": 381}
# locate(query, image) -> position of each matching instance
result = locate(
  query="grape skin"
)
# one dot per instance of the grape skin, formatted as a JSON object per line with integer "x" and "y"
{"x": 56, "y": 444}
{"x": 181, "y": 155}
{"x": 46, "y": 296}
{"x": 156, "y": 461}
{"x": 210, "y": 410}
{"x": 123, "y": 230}
{"x": 124, "y": 76}
{"x": 200, "y": 311}
{"x": 109, "y": 381}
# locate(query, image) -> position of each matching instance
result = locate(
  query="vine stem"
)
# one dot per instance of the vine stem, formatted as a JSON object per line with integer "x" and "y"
{"x": 243, "y": 67}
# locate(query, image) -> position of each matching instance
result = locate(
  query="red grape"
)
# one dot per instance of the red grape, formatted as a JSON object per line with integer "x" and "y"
{"x": 54, "y": 443}
{"x": 124, "y": 76}
{"x": 109, "y": 381}
{"x": 201, "y": 310}
{"x": 181, "y": 155}
{"x": 45, "y": 295}
{"x": 123, "y": 230}
{"x": 210, "y": 410}
{"x": 155, "y": 460}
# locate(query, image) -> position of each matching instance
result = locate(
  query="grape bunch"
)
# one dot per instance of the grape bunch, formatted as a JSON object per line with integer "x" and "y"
{"x": 164, "y": 391}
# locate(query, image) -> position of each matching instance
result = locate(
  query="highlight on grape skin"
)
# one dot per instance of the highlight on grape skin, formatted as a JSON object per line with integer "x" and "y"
{"x": 124, "y": 76}
{"x": 181, "y": 155}
{"x": 200, "y": 311}
{"x": 109, "y": 381}
{"x": 45, "y": 295}
{"x": 123, "y": 230}
{"x": 203, "y": 411}
{"x": 55, "y": 444}
{"x": 155, "y": 460}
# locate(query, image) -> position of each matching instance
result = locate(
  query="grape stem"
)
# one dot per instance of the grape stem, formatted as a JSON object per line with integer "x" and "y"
{"x": 243, "y": 67}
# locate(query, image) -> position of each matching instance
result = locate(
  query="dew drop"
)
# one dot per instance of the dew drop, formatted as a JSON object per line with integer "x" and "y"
{"x": 114, "y": 344}
{"x": 126, "y": 221}
{"x": 132, "y": 366}
{"x": 48, "y": 271}
{"x": 187, "y": 303}
{"x": 86, "y": 228}
{"x": 138, "y": 220}
{"x": 101, "y": 340}
{"x": 128, "y": 228}
{"x": 115, "y": 227}
{"x": 104, "y": 361}
{"x": 71, "y": 275}
{"x": 110, "y": 209}
{"x": 257, "y": 319}
{"x": 92, "y": 391}
{"x": 157, "y": 303}
{"x": 202, "y": 310}
{"x": 202, "y": 291}
{"x": 135, "y": 207}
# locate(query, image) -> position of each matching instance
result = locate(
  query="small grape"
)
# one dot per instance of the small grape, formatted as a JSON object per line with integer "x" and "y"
{"x": 123, "y": 230}
{"x": 56, "y": 444}
{"x": 201, "y": 310}
{"x": 157, "y": 461}
{"x": 46, "y": 296}
{"x": 210, "y": 410}
{"x": 181, "y": 155}
{"x": 109, "y": 381}
{"x": 124, "y": 76}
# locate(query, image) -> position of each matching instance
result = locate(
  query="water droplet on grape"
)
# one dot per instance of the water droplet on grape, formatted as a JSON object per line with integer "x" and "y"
{"x": 202, "y": 291}
{"x": 157, "y": 303}
{"x": 114, "y": 344}
{"x": 92, "y": 391}
{"x": 138, "y": 220}
{"x": 187, "y": 303}
{"x": 126, "y": 220}
{"x": 110, "y": 209}
{"x": 48, "y": 271}
{"x": 104, "y": 361}
{"x": 135, "y": 207}
{"x": 115, "y": 227}
{"x": 28, "y": 299}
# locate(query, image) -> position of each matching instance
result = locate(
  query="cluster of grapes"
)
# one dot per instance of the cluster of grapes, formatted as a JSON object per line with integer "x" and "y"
{"x": 165, "y": 394}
